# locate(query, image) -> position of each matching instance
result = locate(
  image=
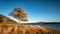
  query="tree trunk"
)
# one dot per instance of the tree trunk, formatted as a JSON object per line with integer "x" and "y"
{"x": 19, "y": 20}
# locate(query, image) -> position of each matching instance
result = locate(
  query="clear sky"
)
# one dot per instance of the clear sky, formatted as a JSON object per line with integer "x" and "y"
{"x": 36, "y": 10}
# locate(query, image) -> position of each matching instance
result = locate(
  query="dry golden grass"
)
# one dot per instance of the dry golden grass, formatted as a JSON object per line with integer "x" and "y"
{"x": 16, "y": 29}
{"x": 8, "y": 26}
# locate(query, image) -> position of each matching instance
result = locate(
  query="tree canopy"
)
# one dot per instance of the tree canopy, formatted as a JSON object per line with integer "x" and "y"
{"x": 19, "y": 14}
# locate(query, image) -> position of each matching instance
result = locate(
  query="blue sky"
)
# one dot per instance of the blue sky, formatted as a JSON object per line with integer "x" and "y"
{"x": 36, "y": 10}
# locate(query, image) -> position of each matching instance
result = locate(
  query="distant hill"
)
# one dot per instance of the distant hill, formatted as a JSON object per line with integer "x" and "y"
{"x": 37, "y": 23}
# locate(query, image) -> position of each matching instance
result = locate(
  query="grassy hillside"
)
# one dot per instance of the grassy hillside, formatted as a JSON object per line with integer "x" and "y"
{"x": 11, "y": 27}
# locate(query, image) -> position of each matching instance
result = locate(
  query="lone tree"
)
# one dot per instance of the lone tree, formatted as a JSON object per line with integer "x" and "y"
{"x": 19, "y": 14}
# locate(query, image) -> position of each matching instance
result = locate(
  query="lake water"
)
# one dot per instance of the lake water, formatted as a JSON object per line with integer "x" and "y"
{"x": 56, "y": 26}
{"x": 50, "y": 25}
